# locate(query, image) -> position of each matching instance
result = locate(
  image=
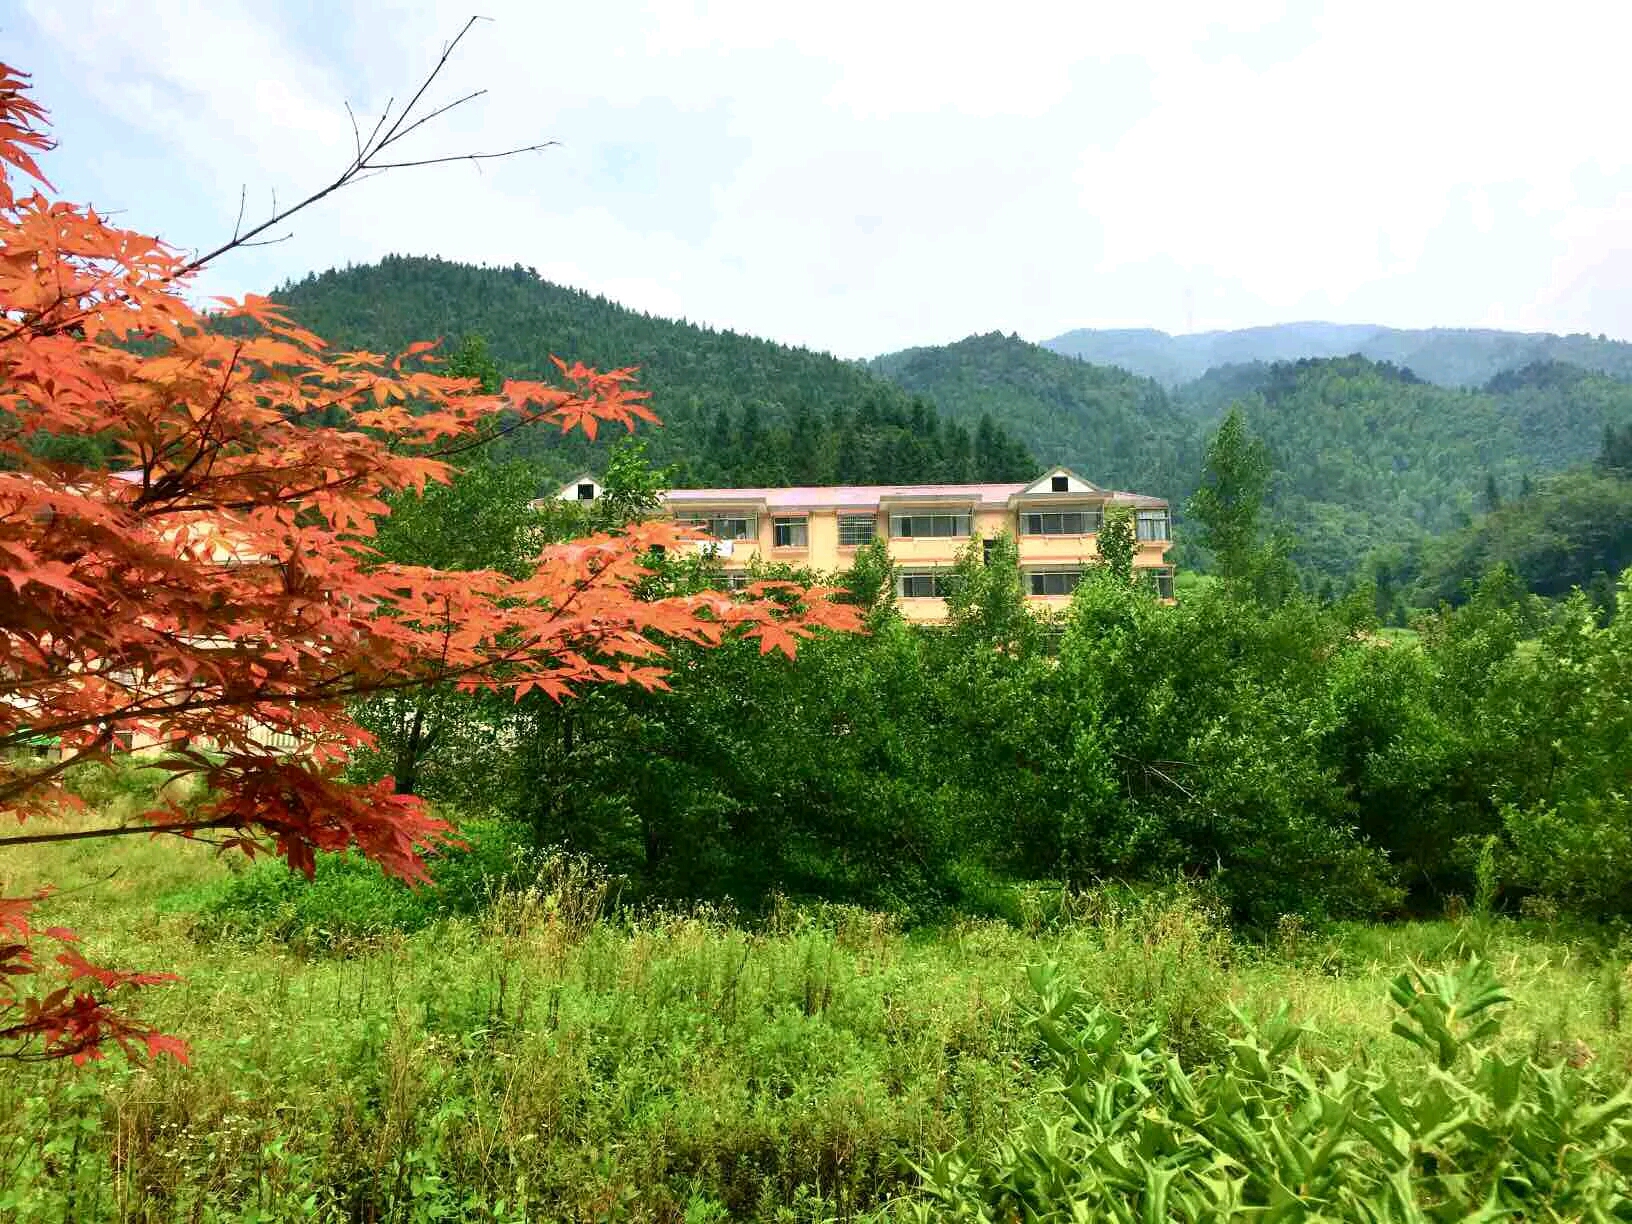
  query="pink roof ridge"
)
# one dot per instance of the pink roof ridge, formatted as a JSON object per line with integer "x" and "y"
{"x": 865, "y": 495}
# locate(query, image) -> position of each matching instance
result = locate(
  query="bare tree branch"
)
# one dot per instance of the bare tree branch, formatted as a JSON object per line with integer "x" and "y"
{"x": 35, "y": 839}
{"x": 366, "y": 161}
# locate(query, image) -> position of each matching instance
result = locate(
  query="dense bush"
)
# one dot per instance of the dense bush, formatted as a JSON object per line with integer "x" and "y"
{"x": 349, "y": 900}
{"x": 1270, "y": 745}
{"x": 1465, "y": 1131}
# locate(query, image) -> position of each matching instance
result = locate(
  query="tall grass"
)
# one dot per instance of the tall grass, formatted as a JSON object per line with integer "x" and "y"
{"x": 548, "y": 1057}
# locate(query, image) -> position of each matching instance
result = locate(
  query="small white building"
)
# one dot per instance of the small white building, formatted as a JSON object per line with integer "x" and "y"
{"x": 581, "y": 488}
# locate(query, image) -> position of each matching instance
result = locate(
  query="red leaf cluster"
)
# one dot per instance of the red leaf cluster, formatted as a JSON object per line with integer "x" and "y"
{"x": 218, "y": 589}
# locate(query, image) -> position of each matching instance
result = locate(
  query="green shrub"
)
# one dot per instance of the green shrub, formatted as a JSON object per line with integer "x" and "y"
{"x": 349, "y": 899}
{"x": 1463, "y": 1131}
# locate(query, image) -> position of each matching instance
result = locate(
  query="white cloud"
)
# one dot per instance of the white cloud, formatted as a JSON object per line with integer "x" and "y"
{"x": 864, "y": 176}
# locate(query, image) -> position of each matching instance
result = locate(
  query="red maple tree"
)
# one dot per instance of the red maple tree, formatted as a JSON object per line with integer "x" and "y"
{"x": 214, "y": 591}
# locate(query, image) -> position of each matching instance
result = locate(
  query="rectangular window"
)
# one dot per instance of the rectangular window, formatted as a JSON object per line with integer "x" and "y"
{"x": 1060, "y": 484}
{"x": 924, "y": 526}
{"x": 791, "y": 532}
{"x": 856, "y": 530}
{"x": 733, "y": 582}
{"x": 924, "y": 586}
{"x": 1153, "y": 525}
{"x": 722, "y": 527}
{"x": 1161, "y": 580}
{"x": 1060, "y": 522}
{"x": 586, "y": 492}
{"x": 1054, "y": 582}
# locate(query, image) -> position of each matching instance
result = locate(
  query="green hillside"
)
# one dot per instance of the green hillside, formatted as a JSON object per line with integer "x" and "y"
{"x": 1366, "y": 453}
{"x": 736, "y": 410}
{"x": 1115, "y": 428}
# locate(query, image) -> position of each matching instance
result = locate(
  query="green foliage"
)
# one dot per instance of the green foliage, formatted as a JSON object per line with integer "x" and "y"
{"x": 1117, "y": 543}
{"x": 986, "y": 603}
{"x": 481, "y": 520}
{"x": 350, "y": 900}
{"x": 870, "y": 583}
{"x": 1136, "y": 1135}
{"x": 1568, "y": 817}
{"x": 473, "y": 360}
{"x": 1227, "y": 506}
{"x": 1616, "y": 454}
{"x": 551, "y": 1057}
{"x": 631, "y": 487}
{"x": 1369, "y": 455}
{"x": 1191, "y": 744}
{"x": 429, "y": 739}
{"x": 1559, "y": 536}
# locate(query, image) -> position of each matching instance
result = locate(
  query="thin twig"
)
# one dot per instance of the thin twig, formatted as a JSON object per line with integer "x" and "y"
{"x": 364, "y": 165}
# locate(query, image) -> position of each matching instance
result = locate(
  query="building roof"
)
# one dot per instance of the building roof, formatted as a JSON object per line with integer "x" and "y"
{"x": 836, "y": 497}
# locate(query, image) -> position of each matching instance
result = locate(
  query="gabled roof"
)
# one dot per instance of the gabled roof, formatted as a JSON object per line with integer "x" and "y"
{"x": 1043, "y": 485}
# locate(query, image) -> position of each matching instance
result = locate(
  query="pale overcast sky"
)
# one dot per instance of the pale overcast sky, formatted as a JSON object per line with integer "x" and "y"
{"x": 860, "y": 177}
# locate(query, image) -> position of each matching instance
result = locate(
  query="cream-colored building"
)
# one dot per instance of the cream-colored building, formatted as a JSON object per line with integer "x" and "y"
{"x": 1054, "y": 520}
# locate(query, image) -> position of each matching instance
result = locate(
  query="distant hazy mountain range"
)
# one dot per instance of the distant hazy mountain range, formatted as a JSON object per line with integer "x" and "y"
{"x": 1451, "y": 357}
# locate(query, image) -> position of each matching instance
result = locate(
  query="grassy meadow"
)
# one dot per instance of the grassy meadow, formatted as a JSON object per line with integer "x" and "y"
{"x": 549, "y": 1056}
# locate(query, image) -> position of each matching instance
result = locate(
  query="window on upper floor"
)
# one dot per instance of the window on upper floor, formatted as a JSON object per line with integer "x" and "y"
{"x": 1153, "y": 525}
{"x": 791, "y": 532}
{"x": 586, "y": 492}
{"x": 923, "y": 586}
{"x": 1052, "y": 582}
{"x": 722, "y": 526}
{"x": 732, "y": 581}
{"x": 856, "y": 529}
{"x": 1060, "y": 484}
{"x": 1060, "y": 522}
{"x": 922, "y": 526}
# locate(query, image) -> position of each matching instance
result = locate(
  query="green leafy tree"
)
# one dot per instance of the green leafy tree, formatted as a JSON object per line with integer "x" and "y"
{"x": 631, "y": 487}
{"x": 429, "y": 736}
{"x": 1616, "y": 453}
{"x": 473, "y": 360}
{"x": 986, "y": 602}
{"x": 1604, "y": 598}
{"x": 1117, "y": 543}
{"x": 1230, "y": 500}
{"x": 870, "y": 581}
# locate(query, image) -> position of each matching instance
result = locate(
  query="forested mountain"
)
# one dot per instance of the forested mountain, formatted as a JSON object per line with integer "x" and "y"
{"x": 1366, "y": 453}
{"x": 1117, "y": 429}
{"x": 1451, "y": 357}
{"x": 736, "y": 410}
{"x": 1572, "y": 529}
